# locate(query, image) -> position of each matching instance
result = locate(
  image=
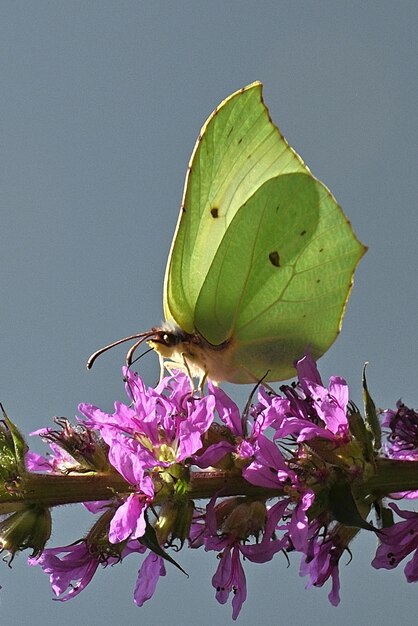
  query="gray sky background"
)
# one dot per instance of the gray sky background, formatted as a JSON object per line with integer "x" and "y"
{"x": 100, "y": 106}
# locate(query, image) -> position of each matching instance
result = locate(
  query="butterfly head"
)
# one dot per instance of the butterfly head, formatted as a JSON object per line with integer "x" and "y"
{"x": 158, "y": 335}
{"x": 168, "y": 340}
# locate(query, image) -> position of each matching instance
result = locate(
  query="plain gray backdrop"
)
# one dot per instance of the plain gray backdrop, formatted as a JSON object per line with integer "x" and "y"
{"x": 100, "y": 106}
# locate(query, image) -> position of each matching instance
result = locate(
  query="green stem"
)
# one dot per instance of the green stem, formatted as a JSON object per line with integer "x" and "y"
{"x": 392, "y": 476}
{"x": 204, "y": 485}
{"x": 51, "y": 490}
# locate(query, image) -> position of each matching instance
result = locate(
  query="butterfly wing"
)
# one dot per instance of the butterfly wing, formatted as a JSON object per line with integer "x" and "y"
{"x": 279, "y": 281}
{"x": 262, "y": 260}
{"x": 238, "y": 149}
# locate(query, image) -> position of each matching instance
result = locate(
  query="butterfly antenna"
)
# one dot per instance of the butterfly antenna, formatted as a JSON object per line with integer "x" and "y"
{"x": 142, "y": 336}
{"x": 134, "y": 348}
{"x": 141, "y": 355}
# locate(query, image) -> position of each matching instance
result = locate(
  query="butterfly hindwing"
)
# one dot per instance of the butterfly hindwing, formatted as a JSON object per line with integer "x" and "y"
{"x": 279, "y": 281}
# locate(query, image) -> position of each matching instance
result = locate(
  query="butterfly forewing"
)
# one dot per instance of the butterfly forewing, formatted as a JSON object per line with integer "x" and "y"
{"x": 238, "y": 149}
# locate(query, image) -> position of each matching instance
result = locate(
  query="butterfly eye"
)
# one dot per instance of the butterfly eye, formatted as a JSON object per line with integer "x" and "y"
{"x": 170, "y": 339}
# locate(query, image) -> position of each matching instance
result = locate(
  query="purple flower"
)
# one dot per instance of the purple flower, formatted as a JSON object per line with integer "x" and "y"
{"x": 148, "y": 440}
{"x": 264, "y": 550}
{"x": 72, "y": 571}
{"x": 152, "y": 568}
{"x": 59, "y": 462}
{"x": 322, "y": 563}
{"x": 166, "y": 428}
{"x": 230, "y": 576}
{"x": 299, "y": 522}
{"x": 71, "y": 568}
{"x": 269, "y": 467}
{"x": 242, "y": 436}
{"x": 403, "y": 436}
{"x": 37, "y": 463}
{"x": 402, "y": 440}
{"x": 278, "y": 471}
{"x": 227, "y": 410}
{"x": 397, "y": 542}
{"x": 324, "y": 407}
{"x": 308, "y": 409}
{"x": 231, "y": 541}
{"x": 129, "y": 519}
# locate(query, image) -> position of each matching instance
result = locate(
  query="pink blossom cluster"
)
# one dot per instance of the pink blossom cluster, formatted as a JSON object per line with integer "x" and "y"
{"x": 284, "y": 476}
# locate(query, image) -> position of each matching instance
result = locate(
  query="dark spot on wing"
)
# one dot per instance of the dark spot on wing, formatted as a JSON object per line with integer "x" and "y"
{"x": 274, "y": 258}
{"x": 230, "y": 131}
{"x": 321, "y": 249}
{"x": 303, "y": 233}
{"x": 214, "y": 212}
{"x": 239, "y": 140}
{"x": 318, "y": 280}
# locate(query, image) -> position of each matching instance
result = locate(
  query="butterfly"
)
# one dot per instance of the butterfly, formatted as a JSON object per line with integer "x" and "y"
{"x": 262, "y": 261}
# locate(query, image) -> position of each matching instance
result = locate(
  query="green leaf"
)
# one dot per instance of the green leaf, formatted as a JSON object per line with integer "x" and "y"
{"x": 150, "y": 541}
{"x": 12, "y": 448}
{"x": 361, "y": 432}
{"x": 344, "y": 508}
{"x": 372, "y": 421}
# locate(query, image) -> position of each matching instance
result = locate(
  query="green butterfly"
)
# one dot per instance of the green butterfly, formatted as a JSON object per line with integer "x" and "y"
{"x": 262, "y": 261}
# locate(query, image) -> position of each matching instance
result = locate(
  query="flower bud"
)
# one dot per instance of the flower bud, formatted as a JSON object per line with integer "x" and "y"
{"x": 246, "y": 518}
{"x": 81, "y": 443}
{"x": 97, "y": 539}
{"x": 174, "y": 522}
{"x": 27, "y": 528}
{"x": 12, "y": 450}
